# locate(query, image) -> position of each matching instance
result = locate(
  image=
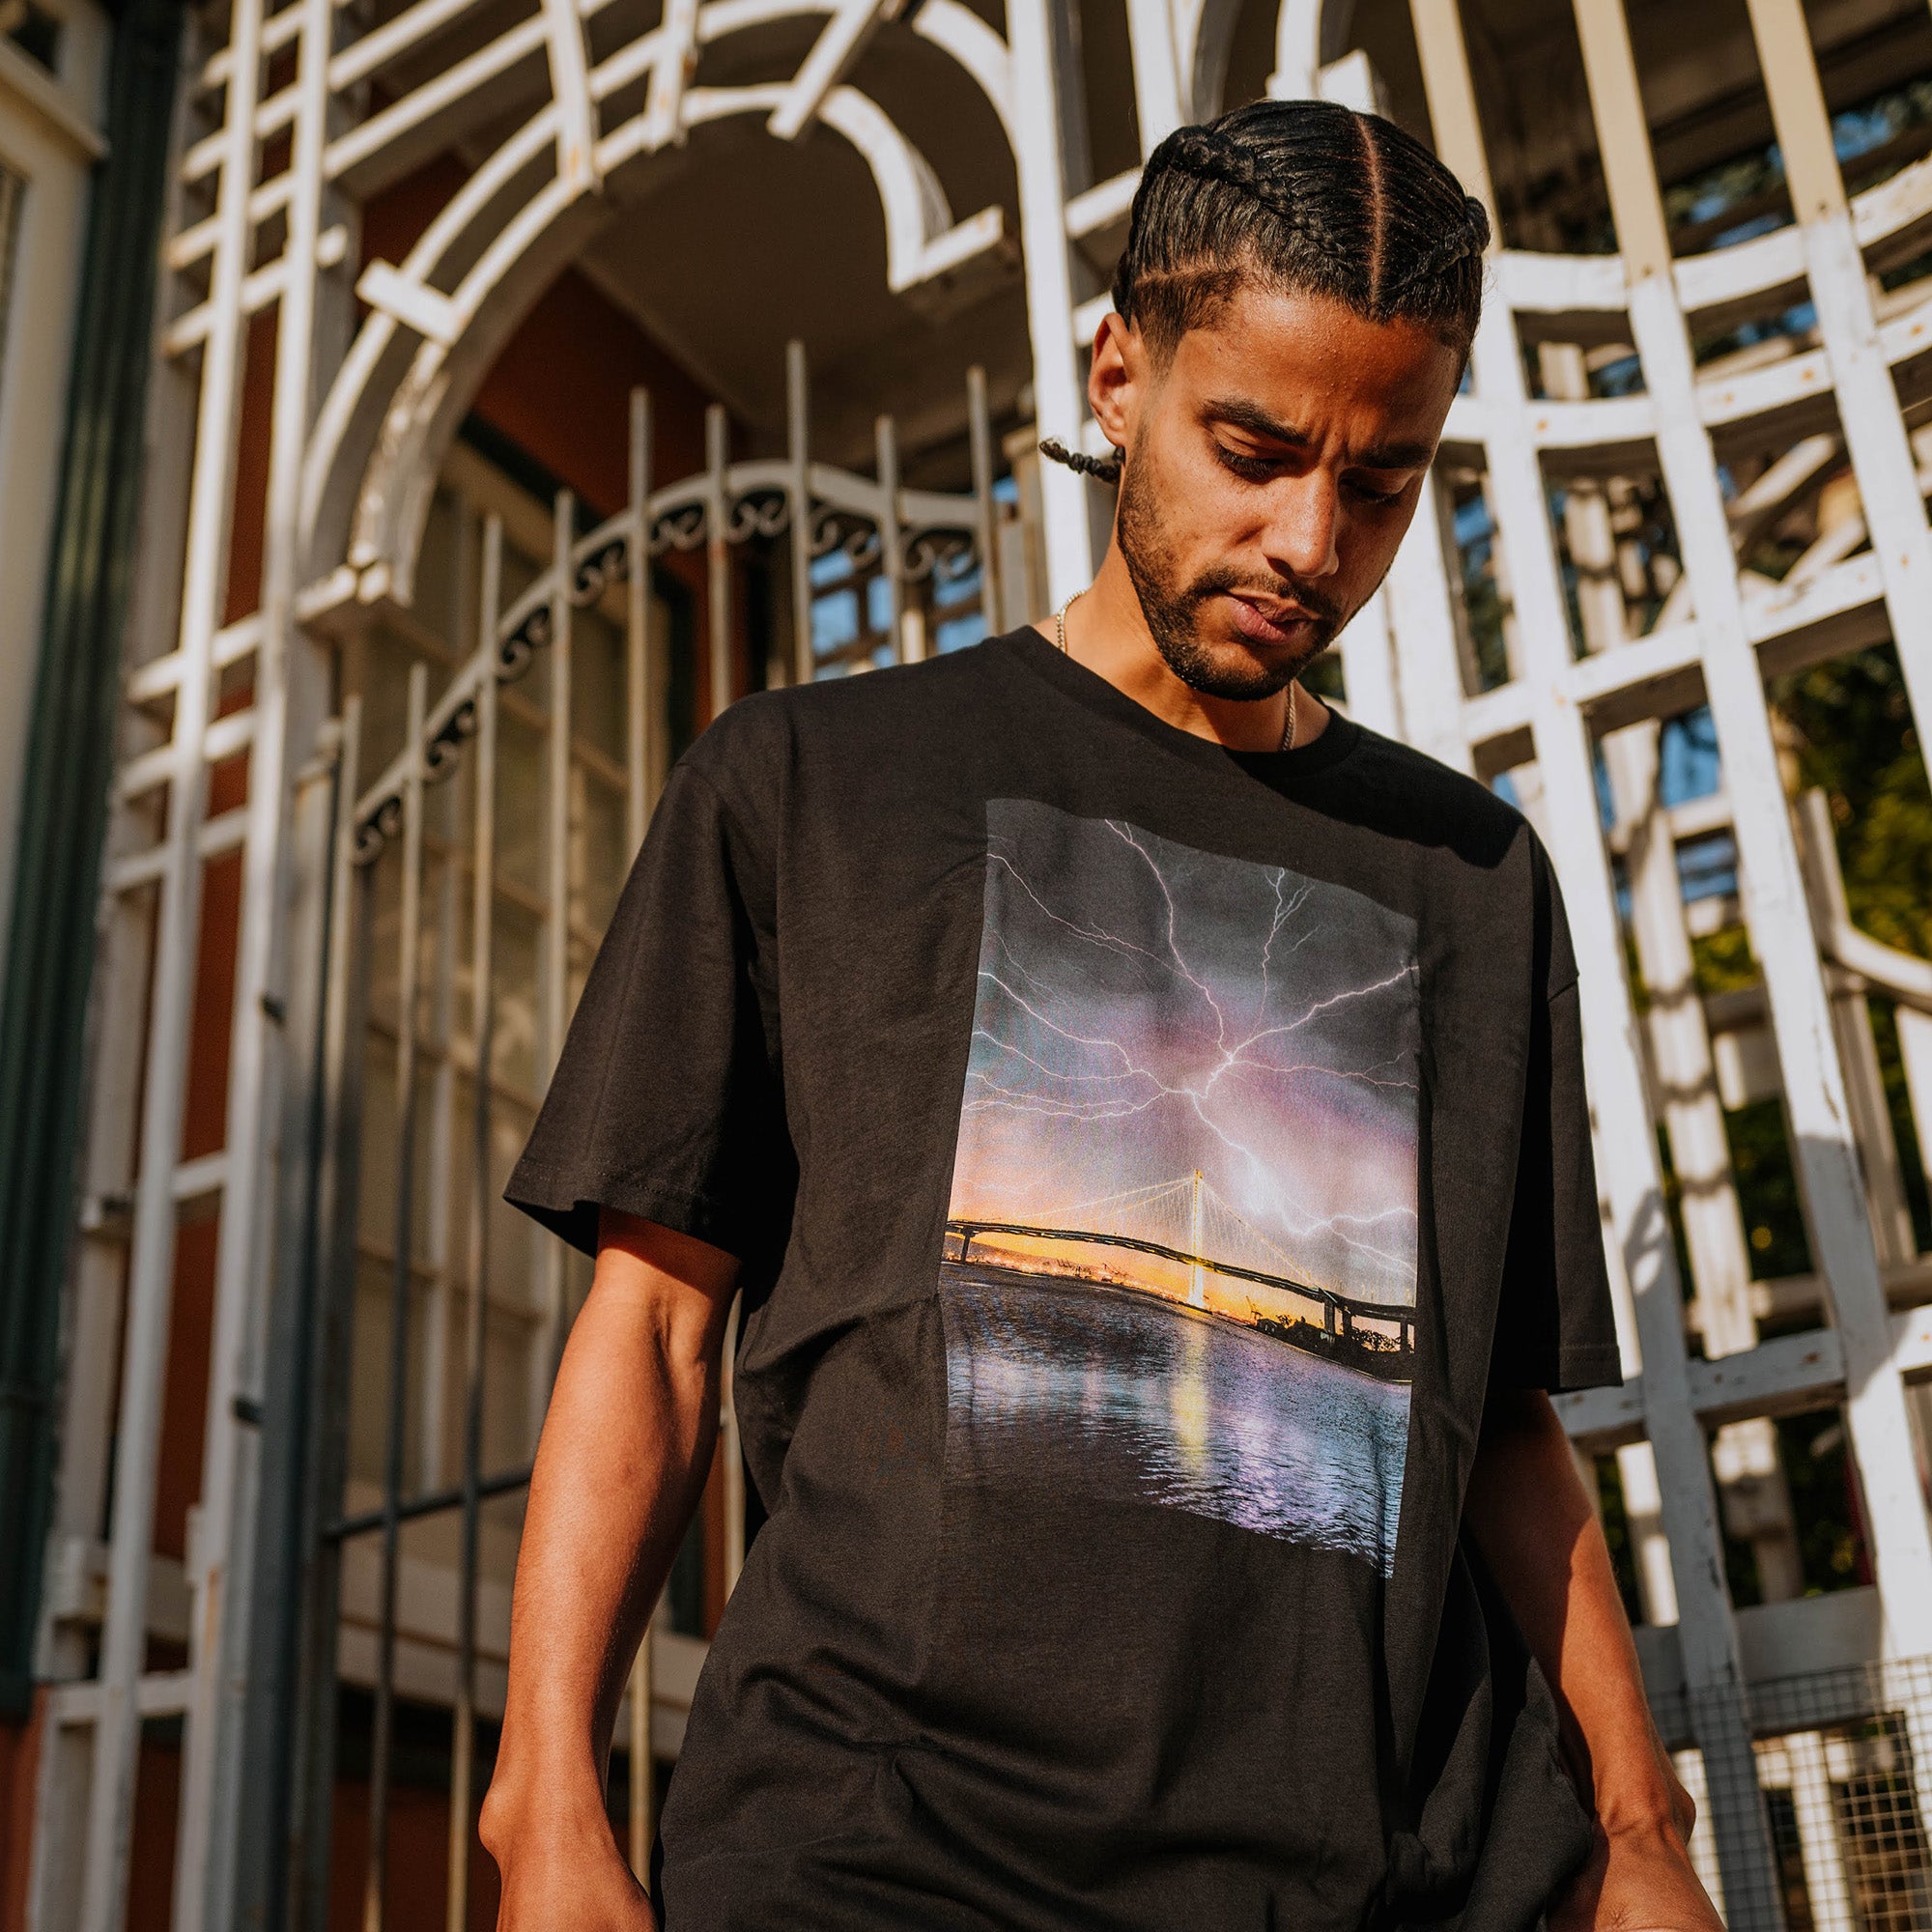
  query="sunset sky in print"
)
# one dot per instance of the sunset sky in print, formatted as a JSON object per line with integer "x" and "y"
{"x": 1144, "y": 1010}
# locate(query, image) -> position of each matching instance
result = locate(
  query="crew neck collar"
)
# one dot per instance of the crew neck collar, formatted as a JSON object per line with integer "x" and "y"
{"x": 1108, "y": 701}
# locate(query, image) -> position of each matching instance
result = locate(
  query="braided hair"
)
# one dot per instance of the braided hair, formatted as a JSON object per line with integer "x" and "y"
{"x": 1306, "y": 195}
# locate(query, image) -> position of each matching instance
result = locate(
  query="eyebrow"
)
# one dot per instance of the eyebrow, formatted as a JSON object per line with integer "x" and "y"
{"x": 1257, "y": 421}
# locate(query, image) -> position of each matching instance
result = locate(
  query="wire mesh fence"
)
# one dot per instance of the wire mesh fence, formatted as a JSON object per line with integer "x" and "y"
{"x": 1843, "y": 1762}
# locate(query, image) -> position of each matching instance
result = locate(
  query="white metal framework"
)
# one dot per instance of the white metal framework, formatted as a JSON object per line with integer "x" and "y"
{"x": 293, "y": 113}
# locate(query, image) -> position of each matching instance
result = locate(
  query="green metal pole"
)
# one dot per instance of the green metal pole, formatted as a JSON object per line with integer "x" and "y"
{"x": 65, "y": 788}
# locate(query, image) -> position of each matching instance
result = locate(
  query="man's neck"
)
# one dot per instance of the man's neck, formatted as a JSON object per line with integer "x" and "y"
{"x": 1107, "y": 632}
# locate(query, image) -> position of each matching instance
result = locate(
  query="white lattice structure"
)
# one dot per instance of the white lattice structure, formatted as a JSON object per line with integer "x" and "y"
{"x": 294, "y": 113}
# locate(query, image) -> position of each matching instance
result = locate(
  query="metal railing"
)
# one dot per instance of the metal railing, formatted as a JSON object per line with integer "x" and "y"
{"x": 414, "y": 1274}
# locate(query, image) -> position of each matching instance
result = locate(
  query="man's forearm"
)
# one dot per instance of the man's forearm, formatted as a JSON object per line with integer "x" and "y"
{"x": 1543, "y": 1544}
{"x": 625, "y": 1449}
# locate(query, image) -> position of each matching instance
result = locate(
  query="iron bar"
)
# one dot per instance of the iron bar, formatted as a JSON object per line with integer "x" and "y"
{"x": 641, "y": 1822}
{"x": 482, "y": 1026}
{"x": 441, "y": 1156}
{"x": 401, "y": 1289}
{"x": 798, "y": 449}
{"x": 433, "y": 1502}
{"x": 333, "y": 1260}
{"x": 891, "y": 544}
{"x": 986, "y": 524}
{"x": 717, "y": 555}
{"x": 269, "y": 1741}
{"x": 640, "y": 658}
{"x": 556, "y": 891}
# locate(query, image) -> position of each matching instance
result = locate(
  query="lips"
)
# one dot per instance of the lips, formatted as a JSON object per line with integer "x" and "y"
{"x": 1273, "y": 624}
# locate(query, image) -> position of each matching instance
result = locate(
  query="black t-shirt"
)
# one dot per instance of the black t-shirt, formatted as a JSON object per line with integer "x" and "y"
{"x": 1142, "y": 1158}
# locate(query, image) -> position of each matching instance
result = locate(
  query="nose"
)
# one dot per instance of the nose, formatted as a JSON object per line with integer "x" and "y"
{"x": 1301, "y": 539}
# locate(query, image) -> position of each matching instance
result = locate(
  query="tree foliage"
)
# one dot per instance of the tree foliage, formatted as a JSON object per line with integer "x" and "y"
{"x": 1851, "y": 724}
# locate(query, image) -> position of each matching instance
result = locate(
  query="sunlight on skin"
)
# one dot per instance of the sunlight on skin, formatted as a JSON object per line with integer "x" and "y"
{"x": 1286, "y": 442}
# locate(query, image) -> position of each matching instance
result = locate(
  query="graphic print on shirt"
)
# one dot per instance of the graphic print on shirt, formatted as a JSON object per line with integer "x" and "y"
{"x": 1179, "y": 1258}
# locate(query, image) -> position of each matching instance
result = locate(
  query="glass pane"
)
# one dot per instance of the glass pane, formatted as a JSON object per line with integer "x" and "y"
{"x": 520, "y": 803}
{"x": 601, "y": 873}
{"x": 597, "y": 696}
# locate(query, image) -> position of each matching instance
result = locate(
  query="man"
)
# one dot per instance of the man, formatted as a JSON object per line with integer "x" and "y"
{"x": 1142, "y": 1112}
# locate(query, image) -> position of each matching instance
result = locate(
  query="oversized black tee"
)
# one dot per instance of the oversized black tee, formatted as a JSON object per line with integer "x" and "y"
{"x": 1144, "y": 1159}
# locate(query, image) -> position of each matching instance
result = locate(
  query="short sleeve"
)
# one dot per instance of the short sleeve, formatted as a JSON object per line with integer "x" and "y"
{"x": 1555, "y": 1325}
{"x": 666, "y": 1101}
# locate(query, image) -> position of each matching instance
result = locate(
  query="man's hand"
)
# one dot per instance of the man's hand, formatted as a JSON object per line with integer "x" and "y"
{"x": 561, "y": 1870}
{"x": 1533, "y": 1522}
{"x": 621, "y": 1463}
{"x": 1638, "y": 1880}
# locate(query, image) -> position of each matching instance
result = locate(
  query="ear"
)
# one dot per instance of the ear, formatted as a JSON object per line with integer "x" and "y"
{"x": 1117, "y": 381}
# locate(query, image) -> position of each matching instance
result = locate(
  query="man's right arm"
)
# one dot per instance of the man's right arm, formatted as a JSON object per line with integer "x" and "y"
{"x": 625, "y": 1450}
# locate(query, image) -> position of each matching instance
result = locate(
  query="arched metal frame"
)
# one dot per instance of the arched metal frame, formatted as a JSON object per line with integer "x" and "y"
{"x": 361, "y": 415}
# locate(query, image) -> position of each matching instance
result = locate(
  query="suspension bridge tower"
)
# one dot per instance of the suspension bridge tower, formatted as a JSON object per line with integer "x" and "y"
{"x": 1197, "y": 1286}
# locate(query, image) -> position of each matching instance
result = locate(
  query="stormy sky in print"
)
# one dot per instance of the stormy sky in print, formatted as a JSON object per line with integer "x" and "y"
{"x": 1146, "y": 1009}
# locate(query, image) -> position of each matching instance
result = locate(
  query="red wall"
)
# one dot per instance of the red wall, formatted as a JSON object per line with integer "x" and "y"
{"x": 561, "y": 386}
{"x": 418, "y": 1861}
{"x": 19, "y": 1762}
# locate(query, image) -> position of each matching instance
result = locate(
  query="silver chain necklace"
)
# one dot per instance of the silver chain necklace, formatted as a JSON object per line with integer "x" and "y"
{"x": 1060, "y": 640}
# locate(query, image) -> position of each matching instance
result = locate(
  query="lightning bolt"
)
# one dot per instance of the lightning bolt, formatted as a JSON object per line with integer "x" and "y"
{"x": 1026, "y": 1011}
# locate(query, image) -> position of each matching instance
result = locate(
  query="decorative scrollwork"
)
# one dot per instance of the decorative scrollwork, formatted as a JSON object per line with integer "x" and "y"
{"x": 514, "y": 652}
{"x": 938, "y": 554}
{"x": 379, "y": 827}
{"x": 678, "y": 529}
{"x": 513, "y": 656}
{"x": 764, "y": 513}
{"x": 858, "y": 537}
{"x": 599, "y": 571}
{"x": 934, "y": 552}
{"x": 443, "y": 751}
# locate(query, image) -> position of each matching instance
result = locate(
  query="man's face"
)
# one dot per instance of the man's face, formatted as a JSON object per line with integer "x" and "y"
{"x": 1272, "y": 469}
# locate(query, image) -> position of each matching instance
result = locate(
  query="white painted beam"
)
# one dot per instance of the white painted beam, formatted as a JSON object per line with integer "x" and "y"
{"x": 839, "y": 45}
{"x": 1059, "y": 393}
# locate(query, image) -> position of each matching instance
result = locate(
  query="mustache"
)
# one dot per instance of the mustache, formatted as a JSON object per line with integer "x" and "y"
{"x": 1224, "y": 582}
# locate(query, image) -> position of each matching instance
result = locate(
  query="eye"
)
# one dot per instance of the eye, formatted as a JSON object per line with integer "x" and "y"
{"x": 1367, "y": 494}
{"x": 1250, "y": 468}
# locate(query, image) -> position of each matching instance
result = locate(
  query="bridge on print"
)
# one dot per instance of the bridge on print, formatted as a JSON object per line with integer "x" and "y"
{"x": 1186, "y": 1222}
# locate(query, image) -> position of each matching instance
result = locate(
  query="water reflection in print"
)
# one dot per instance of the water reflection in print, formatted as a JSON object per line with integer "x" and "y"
{"x": 1127, "y": 1396}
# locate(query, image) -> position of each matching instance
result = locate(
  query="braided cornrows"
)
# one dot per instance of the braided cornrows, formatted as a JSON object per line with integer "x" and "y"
{"x": 1208, "y": 154}
{"x": 1301, "y": 194}
{"x": 1103, "y": 469}
{"x": 1296, "y": 195}
{"x": 1449, "y": 251}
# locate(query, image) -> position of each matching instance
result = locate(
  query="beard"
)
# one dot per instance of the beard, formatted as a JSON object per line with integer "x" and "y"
{"x": 1173, "y": 607}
